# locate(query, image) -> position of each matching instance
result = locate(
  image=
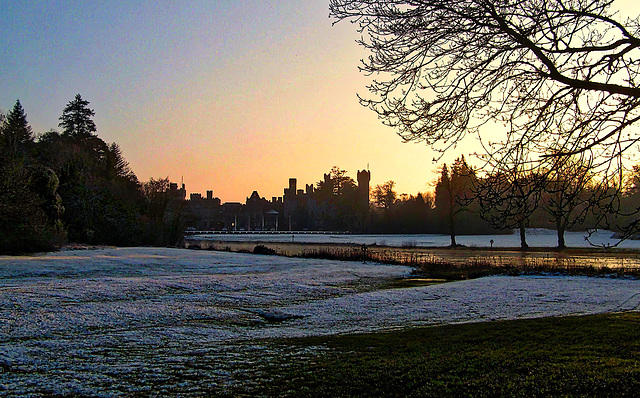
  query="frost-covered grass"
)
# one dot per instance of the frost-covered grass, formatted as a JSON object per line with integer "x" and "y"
{"x": 117, "y": 322}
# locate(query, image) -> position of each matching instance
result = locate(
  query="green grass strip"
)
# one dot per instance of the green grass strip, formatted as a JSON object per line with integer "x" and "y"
{"x": 578, "y": 356}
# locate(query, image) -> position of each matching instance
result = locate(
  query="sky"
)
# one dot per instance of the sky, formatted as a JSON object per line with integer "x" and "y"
{"x": 230, "y": 96}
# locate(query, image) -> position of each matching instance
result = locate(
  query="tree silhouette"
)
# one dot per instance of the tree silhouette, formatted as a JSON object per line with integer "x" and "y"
{"x": 337, "y": 198}
{"x": 560, "y": 74}
{"x": 100, "y": 193}
{"x": 453, "y": 193}
{"x": 16, "y": 135}
{"x": 509, "y": 193}
{"x": 30, "y": 208}
{"x": 508, "y": 200}
{"x": 76, "y": 120}
{"x": 569, "y": 193}
{"x": 384, "y": 196}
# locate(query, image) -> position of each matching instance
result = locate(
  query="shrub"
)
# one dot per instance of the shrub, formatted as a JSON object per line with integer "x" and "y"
{"x": 262, "y": 249}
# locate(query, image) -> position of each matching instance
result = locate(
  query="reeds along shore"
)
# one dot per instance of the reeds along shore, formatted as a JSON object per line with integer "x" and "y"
{"x": 448, "y": 264}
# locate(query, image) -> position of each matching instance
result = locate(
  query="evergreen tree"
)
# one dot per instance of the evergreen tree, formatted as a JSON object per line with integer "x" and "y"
{"x": 100, "y": 193}
{"x": 453, "y": 193}
{"x": 76, "y": 120}
{"x": 17, "y": 135}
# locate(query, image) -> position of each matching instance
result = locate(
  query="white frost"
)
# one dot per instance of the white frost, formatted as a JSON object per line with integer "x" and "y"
{"x": 115, "y": 321}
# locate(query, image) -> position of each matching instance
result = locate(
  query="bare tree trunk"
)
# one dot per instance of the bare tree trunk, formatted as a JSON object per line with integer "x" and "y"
{"x": 560, "y": 228}
{"x": 523, "y": 236}
{"x": 452, "y": 229}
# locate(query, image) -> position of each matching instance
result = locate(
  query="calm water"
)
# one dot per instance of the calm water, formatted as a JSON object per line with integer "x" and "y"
{"x": 535, "y": 238}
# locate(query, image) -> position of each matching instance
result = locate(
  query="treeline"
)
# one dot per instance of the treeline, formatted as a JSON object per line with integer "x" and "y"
{"x": 567, "y": 195}
{"x": 71, "y": 186}
{"x": 450, "y": 209}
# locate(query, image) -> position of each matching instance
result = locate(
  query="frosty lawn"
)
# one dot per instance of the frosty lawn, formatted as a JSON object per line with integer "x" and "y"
{"x": 117, "y": 321}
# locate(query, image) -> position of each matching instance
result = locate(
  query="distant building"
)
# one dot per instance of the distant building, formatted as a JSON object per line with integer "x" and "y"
{"x": 296, "y": 210}
{"x": 175, "y": 193}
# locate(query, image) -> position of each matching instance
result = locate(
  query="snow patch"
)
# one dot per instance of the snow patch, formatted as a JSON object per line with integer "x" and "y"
{"x": 114, "y": 321}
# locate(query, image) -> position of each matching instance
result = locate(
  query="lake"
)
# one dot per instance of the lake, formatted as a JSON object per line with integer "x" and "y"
{"x": 536, "y": 237}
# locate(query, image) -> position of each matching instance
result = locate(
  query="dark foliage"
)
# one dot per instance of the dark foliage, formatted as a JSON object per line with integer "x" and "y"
{"x": 65, "y": 186}
{"x": 262, "y": 249}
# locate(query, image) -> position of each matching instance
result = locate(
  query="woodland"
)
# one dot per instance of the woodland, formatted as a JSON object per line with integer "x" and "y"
{"x": 72, "y": 186}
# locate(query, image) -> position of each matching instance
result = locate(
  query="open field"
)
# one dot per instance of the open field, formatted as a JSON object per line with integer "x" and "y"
{"x": 153, "y": 321}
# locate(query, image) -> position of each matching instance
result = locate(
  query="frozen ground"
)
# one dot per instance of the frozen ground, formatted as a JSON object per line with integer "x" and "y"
{"x": 114, "y": 322}
{"x": 536, "y": 237}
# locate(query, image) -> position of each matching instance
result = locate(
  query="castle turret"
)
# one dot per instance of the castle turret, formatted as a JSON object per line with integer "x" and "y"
{"x": 292, "y": 190}
{"x": 364, "y": 178}
{"x": 290, "y": 202}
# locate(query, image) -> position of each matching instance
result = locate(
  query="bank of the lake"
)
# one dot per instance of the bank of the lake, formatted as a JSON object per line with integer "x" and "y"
{"x": 578, "y": 260}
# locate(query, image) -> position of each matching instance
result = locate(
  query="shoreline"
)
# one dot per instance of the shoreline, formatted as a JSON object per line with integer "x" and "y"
{"x": 501, "y": 257}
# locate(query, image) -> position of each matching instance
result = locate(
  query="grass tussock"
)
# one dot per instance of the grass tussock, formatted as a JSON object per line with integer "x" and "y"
{"x": 580, "y": 356}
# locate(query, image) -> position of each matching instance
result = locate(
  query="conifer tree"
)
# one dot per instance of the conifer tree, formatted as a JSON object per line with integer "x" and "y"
{"x": 76, "y": 120}
{"x": 17, "y": 135}
{"x": 453, "y": 193}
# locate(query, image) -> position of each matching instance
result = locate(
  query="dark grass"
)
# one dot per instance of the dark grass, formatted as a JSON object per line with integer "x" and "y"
{"x": 430, "y": 266}
{"x": 579, "y": 356}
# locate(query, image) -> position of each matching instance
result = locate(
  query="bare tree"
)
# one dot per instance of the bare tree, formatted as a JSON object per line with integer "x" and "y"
{"x": 570, "y": 193}
{"x": 156, "y": 194}
{"x": 554, "y": 72}
{"x": 619, "y": 204}
{"x": 507, "y": 199}
{"x": 509, "y": 192}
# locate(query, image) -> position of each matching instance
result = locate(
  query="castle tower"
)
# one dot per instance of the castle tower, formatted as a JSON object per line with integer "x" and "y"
{"x": 292, "y": 190}
{"x": 290, "y": 202}
{"x": 364, "y": 178}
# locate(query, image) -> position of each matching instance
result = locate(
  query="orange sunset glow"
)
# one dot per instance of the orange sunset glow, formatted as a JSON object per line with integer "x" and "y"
{"x": 229, "y": 96}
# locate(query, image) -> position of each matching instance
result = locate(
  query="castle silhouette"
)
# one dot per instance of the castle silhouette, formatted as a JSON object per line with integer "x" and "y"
{"x": 297, "y": 210}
